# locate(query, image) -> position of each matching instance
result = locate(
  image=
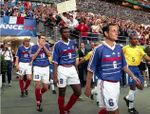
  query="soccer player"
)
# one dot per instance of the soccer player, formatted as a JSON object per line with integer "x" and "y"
{"x": 22, "y": 63}
{"x": 133, "y": 54}
{"x": 40, "y": 53}
{"x": 107, "y": 62}
{"x": 65, "y": 73}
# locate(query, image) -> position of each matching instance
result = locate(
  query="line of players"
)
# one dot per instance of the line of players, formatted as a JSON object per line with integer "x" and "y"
{"x": 107, "y": 62}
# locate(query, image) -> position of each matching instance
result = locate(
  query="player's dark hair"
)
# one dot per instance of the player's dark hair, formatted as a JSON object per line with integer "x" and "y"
{"x": 107, "y": 27}
{"x": 62, "y": 29}
{"x": 40, "y": 34}
{"x": 132, "y": 34}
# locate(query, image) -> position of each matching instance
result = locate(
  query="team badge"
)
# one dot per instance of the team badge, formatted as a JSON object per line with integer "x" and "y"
{"x": 118, "y": 54}
{"x": 115, "y": 64}
{"x": 72, "y": 47}
{"x": 113, "y": 53}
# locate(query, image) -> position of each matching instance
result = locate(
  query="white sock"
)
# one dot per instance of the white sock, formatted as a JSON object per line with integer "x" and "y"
{"x": 131, "y": 97}
{"x": 94, "y": 90}
{"x": 52, "y": 84}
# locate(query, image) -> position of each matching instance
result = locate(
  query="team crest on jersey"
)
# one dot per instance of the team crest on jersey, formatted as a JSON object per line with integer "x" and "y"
{"x": 72, "y": 47}
{"x": 113, "y": 53}
{"x": 118, "y": 54}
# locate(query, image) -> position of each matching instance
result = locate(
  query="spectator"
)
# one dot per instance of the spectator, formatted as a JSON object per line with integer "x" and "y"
{"x": 8, "y": 57}
{"x": 82, "y": 68}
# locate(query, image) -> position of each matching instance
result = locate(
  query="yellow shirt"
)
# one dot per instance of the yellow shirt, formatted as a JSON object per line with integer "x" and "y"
{"x": 50, "y": 59}
{"x": 133, "y": 55}
{"x": 88, "y": 55}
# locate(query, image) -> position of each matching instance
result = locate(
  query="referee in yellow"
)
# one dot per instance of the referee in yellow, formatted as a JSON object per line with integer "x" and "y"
{"x": 133, "y": 54}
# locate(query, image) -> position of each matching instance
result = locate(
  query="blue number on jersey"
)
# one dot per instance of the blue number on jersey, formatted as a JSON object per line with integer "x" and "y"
{"x": 61, "y": 81}
{"x": 37, "y": 76}
{"x": 111, "y": 103}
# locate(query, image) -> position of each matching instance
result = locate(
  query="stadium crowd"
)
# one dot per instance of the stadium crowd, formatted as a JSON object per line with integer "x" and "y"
{"x": 94, "y": 14}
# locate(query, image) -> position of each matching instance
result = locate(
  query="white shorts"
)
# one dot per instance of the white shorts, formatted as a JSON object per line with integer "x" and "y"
{"x": 41, "y": 74}
{"x": 108, "y": 94}
{"x": 24, "y": 68}
{"x": 67, "y": 76}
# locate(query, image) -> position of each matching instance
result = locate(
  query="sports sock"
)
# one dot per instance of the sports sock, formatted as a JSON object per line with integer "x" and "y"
{"x": 102, "y": 111}
{"x": 71, "y": 102}
{"x": 27, "y": 84}
{"x": 38, "y": 94}
{"x": 21, "y": 84}
{"x": 52, "y": 84}
{"x": 131, "y": 97}
{"x": 61, "y": 104}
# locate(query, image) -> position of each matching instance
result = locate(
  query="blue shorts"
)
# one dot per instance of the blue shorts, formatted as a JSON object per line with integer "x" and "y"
{"x": 135, "y": 70}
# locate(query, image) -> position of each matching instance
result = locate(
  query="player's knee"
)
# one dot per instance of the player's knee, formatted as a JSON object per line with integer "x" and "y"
{"x": 61, "y": 92}
{"x": 37, "y": 85}
{"x": 51, "y": 81}
{"x": 29, "y": 78}
{"x": 77, "y": 93}
{"x": 45, "y": 88}
{"x": 112, "y": 110}
{"x": 21, "y": 78}
{"x": 141, "y": 87}
{"x": 133, "y": 87}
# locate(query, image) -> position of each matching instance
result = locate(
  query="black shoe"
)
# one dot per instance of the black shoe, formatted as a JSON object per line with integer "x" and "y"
{"x": 127, "y": 101}
{"x": 26, "y": 92}
{"x": 9, "y": 85}
{"x": 133, "y": 111}
{"x": 39, "y": 108}
{"x": 54, "y": 92}
{"x": 22, "y": 94}
{"x": 48, "y": 86}
{"x": 97, "y": 103}
{"x": 67, "y": 112}
{"x": 92, "y": 97}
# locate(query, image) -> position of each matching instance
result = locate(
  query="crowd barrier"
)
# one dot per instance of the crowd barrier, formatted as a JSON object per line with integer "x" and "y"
{"x": 55, "y": 35}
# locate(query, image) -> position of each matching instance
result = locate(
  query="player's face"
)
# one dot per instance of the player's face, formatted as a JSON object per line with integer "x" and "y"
{"x": 65, "y": 34}
{"x": 82, "y": 45}
{"x": 26, "y": 43}
{"x": 113, "y": 32}
{"x": 41, "y": 39}
{"x": 134, "y": 41}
